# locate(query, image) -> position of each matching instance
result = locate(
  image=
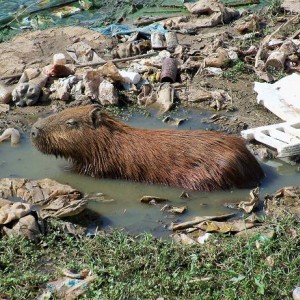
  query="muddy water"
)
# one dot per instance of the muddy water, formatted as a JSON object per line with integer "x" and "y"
{"x": 125, "y": 210}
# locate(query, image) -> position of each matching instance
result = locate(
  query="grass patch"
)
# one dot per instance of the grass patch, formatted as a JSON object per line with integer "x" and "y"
{"x": 235, "y": 71}
{"x": 146, "y": 268}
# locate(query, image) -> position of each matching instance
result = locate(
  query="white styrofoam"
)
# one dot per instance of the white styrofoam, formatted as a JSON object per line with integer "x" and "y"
{"x": 284, "y": 137}
{"x": 281, "y": 98}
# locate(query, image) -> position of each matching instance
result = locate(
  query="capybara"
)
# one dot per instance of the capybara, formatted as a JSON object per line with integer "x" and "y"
{"x": 101, "y": 146}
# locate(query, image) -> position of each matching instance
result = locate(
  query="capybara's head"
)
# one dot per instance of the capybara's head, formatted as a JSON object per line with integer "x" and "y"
{"x": 71, "y": 132}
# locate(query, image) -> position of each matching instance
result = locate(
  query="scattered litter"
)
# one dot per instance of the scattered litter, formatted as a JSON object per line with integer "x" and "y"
{"x": 218, "y": 59}
{"x": 174, "y": 121}
{"x": 169, "y": 70}
{"x": 63, "y": 87}
{"x": 184, "y": 195}
{"x": 59, "y": 59}
{"x": 250, "y": 25}
{"x": 158, "y": 41}
{"x": 147, "y": 95}
{"x": 91, "y": 82}
{"x": 82, "y": 53}
{"x": 174, "y": 209}
{"x": 248, "y": 206}
{"x": 122, "y": 29}
{"x": 199, "y": 230}
{"x": 130, "y": 49}
{"x": 212, "y": 71}
{"x": 147, "y": 199}
{"x": 130, "y": 77}
{"x": 276, "y": 61}
{"x": 165, "y": 97}
{"x": 202, "y": 239}
{"x": 198, "y": 220}
{"x": 296, "y": 291}
{"x": 66, "y": 11}
{"x": 69, "y": 286}
{"x": 171, "y": 39}
{"x": 11, "y": 133}
{"x": 283, "y": 201}
{"x": 217, "y": 11}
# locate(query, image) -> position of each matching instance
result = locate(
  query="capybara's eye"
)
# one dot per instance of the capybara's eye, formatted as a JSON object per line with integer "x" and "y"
{"x": 72, "y": 122}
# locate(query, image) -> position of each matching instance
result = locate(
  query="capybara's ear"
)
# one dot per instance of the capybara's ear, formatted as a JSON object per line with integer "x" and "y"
{"x": 95, "y": 116}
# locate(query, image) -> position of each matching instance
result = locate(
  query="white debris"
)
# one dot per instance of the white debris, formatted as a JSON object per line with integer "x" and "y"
{"x": 281, "y": 98}
{"x": 11, "y": 133}
{"x": 284, "y": 137}
{"x": 203, "y": 238}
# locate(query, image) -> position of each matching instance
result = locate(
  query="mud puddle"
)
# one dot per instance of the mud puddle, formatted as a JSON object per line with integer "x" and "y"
{"x": 120, "y": 206}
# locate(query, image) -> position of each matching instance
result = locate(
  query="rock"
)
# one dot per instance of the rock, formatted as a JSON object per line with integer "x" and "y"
{"x": 108, "y": 93}
{"x": 53, "y": 199}
{"x": 27, "y": 226}
{"x": 29, "y": 87}
{"x": 91, "y": 82}
{"x": 63, "y": 87}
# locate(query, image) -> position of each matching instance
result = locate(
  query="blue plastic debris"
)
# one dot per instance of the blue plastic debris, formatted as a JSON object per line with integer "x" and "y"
{"x": 114, "y": 29}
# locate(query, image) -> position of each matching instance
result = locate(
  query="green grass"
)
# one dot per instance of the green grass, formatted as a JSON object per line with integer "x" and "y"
{"x": 235, "y": 71}
{"x": 146, "y": 268}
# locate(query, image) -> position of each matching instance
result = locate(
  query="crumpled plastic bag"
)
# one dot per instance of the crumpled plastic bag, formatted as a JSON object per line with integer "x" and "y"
{"x": 68, "y": 287}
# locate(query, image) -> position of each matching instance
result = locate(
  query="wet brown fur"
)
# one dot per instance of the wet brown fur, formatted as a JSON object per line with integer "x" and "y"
{"x": 101, "y": 146}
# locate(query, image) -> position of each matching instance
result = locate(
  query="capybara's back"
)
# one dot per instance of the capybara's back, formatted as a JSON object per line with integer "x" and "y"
{"x": 101, "y": 146}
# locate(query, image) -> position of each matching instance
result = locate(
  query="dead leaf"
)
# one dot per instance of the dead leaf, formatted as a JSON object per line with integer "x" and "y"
{"x": 252, "y": 203}
{"x": 198, "y": 220}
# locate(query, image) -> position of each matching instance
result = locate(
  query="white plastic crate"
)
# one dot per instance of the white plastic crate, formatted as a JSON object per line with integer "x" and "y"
{"x": 284, "y": 137}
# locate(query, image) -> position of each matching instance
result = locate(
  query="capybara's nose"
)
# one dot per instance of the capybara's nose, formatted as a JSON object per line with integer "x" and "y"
{"x": 34, "y": 131}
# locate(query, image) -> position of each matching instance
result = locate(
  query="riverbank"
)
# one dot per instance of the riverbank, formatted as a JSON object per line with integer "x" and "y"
{"x": 142, "y": 267}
